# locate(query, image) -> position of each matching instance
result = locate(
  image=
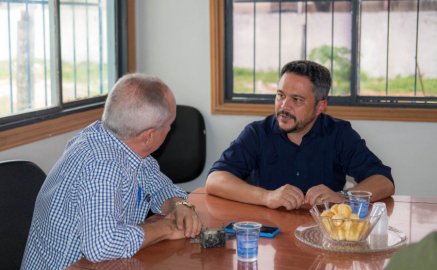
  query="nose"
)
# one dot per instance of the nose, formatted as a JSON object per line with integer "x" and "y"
{"x": 286, "y": 103}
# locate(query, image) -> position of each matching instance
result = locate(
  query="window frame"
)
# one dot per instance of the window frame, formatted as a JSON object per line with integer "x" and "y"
{"x": 44, "y": 124}
{"x": 220, "y": 106}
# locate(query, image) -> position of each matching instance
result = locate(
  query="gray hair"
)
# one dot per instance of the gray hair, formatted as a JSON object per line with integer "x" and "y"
{"x": 136, "y": 103}
{"x": 319, "y": 76}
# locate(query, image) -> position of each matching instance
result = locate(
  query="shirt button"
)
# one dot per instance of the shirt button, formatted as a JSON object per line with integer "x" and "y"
{"x": 297, "y": 173}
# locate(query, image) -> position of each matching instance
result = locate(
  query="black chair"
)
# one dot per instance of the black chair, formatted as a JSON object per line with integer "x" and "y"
{"x": 20, "y": 182}
{"x": 182, "y": 155}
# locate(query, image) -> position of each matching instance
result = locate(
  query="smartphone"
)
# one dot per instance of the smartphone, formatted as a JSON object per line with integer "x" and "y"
{"x": 265, "y": 231}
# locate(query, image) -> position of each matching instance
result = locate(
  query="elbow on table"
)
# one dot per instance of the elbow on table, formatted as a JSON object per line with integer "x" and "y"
{"x": 213, "y": 183}
{"x": 209, "y": 186}
{"x": 100, "y": 253}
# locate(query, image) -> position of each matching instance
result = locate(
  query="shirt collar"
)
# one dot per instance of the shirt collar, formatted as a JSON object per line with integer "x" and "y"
{"x": 132, "y": 157}
{"x": 317, "y": 127}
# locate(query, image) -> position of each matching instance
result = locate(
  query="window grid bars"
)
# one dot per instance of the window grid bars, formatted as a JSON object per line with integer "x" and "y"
{"x": 100, "y": 47}
{"x": 44, "y": 53}
{"x": 28, "y": 75}
{"x": 87, "y": 50}
{"x": 387, "y": 48}
{"x": 11, "y": 100}
{"x": 416, "y": 48}
{"x": 254, "y": 49}
{"x": 73, "y": 17}
{"x": 355, "y": 98}
{"x": 332, "y": 43}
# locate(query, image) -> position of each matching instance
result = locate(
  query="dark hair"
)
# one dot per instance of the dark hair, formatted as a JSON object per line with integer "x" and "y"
{"x": 318, "y": 75}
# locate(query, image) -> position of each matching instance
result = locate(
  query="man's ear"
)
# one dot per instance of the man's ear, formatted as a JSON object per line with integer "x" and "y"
{"x": 321, "y": 106}
{"x": 146, "y": 135}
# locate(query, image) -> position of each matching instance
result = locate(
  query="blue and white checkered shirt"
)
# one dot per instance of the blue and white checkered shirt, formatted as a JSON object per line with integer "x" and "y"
{"x": 92, "y": 200}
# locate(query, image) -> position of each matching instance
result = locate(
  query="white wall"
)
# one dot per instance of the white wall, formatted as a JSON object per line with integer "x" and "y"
{"x": 44, "y": 152}
{"x": 173, "y": 43}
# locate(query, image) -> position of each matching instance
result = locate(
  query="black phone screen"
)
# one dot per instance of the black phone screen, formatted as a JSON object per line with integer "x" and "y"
{"x": 267, "y": 229}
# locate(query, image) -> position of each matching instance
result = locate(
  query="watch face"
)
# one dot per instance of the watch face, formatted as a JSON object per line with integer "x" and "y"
{"x": 187, "y": 204}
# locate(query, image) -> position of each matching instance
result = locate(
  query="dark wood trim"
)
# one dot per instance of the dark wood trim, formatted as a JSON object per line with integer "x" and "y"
{"x": 30, "y": 133}
{"x": 219, "y": 106}
{"x": 132, "y": 63}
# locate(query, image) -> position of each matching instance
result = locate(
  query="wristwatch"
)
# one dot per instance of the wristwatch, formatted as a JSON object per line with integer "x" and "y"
{"x": 186, "y": 203}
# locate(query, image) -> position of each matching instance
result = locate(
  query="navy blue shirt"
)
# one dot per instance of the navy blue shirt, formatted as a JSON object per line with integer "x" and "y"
{"x": 264, "y": 156}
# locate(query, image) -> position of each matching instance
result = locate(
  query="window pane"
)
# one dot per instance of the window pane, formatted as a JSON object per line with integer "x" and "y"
{"x": 373, "y": 48}
{"x": 341, "y": 49}
{"x": 319, "y": 32}
{"x": 24, "y": 58}
{"x": 329, "y": 41}
{"x": 426, "y": 49}
{"x": 402, "y": 48}
{"x": 256, "y": 47}
{"x": 391, "y": 44}
{"x": 266, "y": 48}
{"x": 84, "y": 49}
{"x": 243, "y": 47}
{"x": 292, "y": 32}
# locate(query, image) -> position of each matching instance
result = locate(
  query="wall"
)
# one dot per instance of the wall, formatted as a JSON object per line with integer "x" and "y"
{"x": 173, "y": 43}
{"x": 44, "y": 152}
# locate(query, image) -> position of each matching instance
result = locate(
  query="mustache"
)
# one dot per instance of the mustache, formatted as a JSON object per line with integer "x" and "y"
{"x": 285, "y": 113}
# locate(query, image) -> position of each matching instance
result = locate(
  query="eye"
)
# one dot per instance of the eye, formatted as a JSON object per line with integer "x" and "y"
{"x": 298, "y": 100}
{"x": 280, "y": 95}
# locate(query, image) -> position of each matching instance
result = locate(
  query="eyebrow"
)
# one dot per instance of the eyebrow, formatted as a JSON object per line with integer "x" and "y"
{"x": 292, "y": 95}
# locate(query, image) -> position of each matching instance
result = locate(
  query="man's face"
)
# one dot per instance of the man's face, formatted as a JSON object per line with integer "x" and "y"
{"x": 295, "y": 106}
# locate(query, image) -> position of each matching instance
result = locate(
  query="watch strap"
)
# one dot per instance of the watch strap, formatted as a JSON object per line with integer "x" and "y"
{"x": 185, "y": 203}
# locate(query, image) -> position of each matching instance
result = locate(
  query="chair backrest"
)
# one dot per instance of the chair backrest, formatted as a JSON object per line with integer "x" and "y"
{"x": 182, "y": 155}
{"x": 20, "y": 182}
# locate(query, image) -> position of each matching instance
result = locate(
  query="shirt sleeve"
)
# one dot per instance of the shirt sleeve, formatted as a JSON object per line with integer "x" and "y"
{"x": 357, "y": 159}
{"x": 104, "y": 235}
{"x": 241, "y": 157}
{"x": 159, "y": 187}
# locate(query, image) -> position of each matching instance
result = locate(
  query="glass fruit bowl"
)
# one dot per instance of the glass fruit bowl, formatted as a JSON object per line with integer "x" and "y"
{"x": 339, "y": 224}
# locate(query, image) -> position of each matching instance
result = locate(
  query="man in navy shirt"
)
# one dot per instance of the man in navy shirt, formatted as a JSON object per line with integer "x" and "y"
{"x": 299, "y": 155}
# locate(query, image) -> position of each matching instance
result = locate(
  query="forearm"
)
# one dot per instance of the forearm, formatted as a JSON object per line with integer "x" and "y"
{"x": 169, "y": 205}
{"x": 159, "y": 230}
{"x": 228, "y": 186}
{"x": 380, "y": 187}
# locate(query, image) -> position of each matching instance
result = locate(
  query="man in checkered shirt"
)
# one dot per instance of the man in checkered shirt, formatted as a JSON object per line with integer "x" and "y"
{"x": 94, "y": 201}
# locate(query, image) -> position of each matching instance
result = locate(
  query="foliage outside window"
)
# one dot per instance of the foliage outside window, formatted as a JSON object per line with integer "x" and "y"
{"x": 380, "y": 53}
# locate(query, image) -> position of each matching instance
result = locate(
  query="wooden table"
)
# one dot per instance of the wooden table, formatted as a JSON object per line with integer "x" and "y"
{"x": 416, "y": 217}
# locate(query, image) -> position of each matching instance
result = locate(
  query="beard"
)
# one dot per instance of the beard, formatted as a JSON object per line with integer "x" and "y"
{"x": 299, "y": 125}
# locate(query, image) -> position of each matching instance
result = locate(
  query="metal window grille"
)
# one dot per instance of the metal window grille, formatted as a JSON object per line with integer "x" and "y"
{"x": 57, "y": 55}
{"x": 379, "y": 52}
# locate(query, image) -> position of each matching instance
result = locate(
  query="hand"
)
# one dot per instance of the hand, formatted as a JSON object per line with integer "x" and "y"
{"x": 320, "y": 194}
{"x": 287, "y": 196}
{"x": 174, "y": 231}
{"x": 186, "y": 219}
{"x": 159, "y": 229}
